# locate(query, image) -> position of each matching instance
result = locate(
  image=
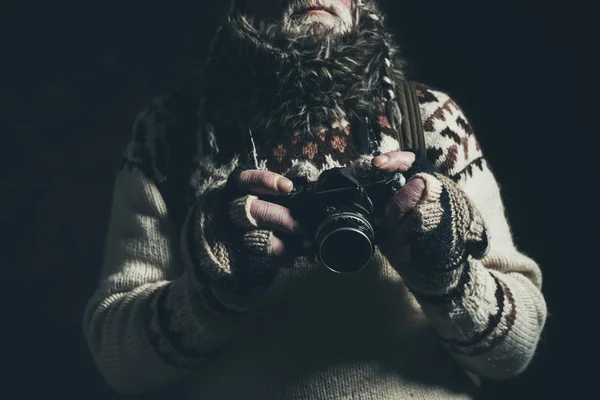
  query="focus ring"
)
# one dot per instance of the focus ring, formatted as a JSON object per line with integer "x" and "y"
{"x": 345, "y": 242}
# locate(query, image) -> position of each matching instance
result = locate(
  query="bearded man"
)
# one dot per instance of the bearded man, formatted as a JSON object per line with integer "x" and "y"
{"x": 204, "y": 282}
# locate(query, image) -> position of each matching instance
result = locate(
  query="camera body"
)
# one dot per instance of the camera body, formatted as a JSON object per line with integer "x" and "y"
{"x": 341, "y": 213}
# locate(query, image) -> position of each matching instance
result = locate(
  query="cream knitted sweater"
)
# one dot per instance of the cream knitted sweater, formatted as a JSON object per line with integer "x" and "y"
{"x": 316, "y": 335}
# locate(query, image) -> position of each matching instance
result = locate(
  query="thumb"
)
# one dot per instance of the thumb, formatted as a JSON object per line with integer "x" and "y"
{"x": 403, "y": 202}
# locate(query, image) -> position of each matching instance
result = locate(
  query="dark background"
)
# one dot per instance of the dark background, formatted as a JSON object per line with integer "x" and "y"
{"x": 74, "y": 74}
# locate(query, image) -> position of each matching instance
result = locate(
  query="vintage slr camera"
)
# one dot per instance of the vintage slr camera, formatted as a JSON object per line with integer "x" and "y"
{"x": 341, "y": 213}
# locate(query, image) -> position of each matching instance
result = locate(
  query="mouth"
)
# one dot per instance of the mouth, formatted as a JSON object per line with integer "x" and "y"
{"x": 317, "y": 9}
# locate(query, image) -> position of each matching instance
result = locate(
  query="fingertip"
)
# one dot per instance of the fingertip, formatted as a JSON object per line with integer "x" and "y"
{"x": 404, "y": 201}
{"x": 277, "y": 248}
{"x": 395, "y": 161}
{"x": 380, "y": 161}
{"x": 418, "y": 185}
{"x": 298, "y": 229}
{"x": 265, "y": 182}
{"x": 284, "y": 185}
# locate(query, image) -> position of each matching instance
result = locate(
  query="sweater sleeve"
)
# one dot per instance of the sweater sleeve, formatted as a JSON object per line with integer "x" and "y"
{"x": 489, "y": 316}
{"x": 145, "y": 325}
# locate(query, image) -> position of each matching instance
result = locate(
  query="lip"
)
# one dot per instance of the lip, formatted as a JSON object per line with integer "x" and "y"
{"x": 316, "y": 9}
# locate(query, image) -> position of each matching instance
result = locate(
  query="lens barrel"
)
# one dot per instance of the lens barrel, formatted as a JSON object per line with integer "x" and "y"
{"x": 345, "y": 242}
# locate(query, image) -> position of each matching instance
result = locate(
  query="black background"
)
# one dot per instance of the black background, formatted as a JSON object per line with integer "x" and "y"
{"x": 74, "y": 74}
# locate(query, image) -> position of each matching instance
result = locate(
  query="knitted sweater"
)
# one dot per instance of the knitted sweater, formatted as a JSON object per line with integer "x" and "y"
{"x": 316, "y": 335}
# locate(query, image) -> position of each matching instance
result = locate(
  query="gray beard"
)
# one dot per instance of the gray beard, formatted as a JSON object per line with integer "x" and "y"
{"x": 263, "y": 79}
{"x": 315, "y": 29}
{"x": 299, "y": 23}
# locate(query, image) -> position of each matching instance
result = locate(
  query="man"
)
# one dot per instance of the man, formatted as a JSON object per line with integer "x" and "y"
{"x": 203, "y": 283}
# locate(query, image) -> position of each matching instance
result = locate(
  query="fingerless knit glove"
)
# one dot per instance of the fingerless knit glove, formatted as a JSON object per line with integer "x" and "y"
{"x": 229, "y": 259}
{"x": 449, "y": 230}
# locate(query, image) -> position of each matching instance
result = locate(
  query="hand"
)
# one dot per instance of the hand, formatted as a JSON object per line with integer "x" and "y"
{"x": 233, "y": 247}
{"x": 250, "y": 212}
{"x": 434, "y": 226}
{"x": 398, "y": 218}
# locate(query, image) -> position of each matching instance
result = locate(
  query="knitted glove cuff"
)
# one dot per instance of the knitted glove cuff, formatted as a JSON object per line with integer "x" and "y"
{"x": 239, "y": 212}
{"x": 449, "y": 229}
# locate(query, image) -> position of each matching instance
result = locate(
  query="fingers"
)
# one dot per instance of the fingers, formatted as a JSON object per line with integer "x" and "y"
{"x": 264, "y": 182}
{"x": 273, "y": 217}
{"x": 398, "y": 217}
{"x": 395, "y": 161}
{"x": 277, "y": 247}
{"x": 265, "y": 244}
{"x": 251, "y": 212}
{"x": 404, "y": 200}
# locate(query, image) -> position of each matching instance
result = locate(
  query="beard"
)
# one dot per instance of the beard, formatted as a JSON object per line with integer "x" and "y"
{"x": 297, "y": 21}
{"x": 274, "y": 80}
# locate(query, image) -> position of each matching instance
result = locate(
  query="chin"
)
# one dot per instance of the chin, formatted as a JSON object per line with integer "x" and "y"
{"x": 316, "y": 28}
{"x": 319, "y": 29}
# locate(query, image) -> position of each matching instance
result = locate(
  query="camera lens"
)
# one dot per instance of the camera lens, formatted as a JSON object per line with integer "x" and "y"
{"x": 345, "y": 242}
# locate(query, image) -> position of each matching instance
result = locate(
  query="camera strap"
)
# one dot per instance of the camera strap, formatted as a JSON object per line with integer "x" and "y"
{"x": 411, "y": 135}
